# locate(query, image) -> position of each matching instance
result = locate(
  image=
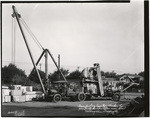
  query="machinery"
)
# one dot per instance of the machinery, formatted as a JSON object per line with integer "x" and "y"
{"x": 53, "y": 91}
{"x": 63, "y": 89}
{"x": 92, "y": 85}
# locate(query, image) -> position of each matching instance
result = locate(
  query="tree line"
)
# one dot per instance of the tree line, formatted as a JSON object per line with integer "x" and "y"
{"x": 11, "y": 74}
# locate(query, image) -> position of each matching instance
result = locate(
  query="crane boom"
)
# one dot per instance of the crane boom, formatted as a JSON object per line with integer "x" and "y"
{"x": 15, "y": 14}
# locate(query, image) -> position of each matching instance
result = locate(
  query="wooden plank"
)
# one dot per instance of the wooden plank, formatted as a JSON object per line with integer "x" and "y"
{"x": 100, "y": 82}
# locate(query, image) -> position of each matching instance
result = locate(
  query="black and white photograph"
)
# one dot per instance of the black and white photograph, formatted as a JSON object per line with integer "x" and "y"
{"x": 73, "y": 59}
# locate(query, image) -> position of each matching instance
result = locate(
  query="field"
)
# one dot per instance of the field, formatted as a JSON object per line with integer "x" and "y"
{"x": 67, "y": 108}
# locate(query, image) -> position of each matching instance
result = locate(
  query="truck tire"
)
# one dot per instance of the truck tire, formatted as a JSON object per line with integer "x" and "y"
{"x": 81, "y": 97}
{"x": 57, "y": 98}
{"x": 116, "y": 97}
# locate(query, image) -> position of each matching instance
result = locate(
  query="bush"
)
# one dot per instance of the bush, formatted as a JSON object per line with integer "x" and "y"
{"x": 12, "y": 75}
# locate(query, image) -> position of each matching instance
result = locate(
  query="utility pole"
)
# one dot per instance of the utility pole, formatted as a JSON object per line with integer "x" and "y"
{"x": 40, "y": 65}
{"x": 56, "y": 65}
{"x": 46, "y": 69}
{"x": 59, "y": 64}
{"x": 59, "y": 61}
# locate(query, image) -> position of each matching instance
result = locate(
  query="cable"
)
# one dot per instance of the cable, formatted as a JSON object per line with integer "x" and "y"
{"x": 12, "y": 51}
{"x": 32, "y": 35}
{"x": 14, "y": 40}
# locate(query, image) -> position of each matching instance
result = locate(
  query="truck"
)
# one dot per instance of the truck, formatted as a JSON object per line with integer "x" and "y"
{"x": 62, "y": 90}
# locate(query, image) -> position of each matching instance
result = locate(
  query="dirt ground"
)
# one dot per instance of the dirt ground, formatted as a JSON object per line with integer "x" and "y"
{"x": 66, "y": 108}
{"x": 63, "y": 108}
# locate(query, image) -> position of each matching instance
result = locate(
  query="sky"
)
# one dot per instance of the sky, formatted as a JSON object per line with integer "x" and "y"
{"x": 111, "y": 34}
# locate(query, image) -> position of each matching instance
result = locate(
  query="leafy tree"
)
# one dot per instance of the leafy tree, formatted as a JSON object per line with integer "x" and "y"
{"x": 17, "y": 79}
{"x": 34, "y": 77}
{"x": 141, "y": 86}
{"x": 102, "y": 73}
{"x": 109, "y": 74}
{"x": 141, "y": 73}
{"x": 74, "y": 75}
{"x": 57, "y": 76}
{"x": 10, "y": 72}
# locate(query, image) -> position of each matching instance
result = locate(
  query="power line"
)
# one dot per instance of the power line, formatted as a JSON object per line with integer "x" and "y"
{"x": 12, "y": 52}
